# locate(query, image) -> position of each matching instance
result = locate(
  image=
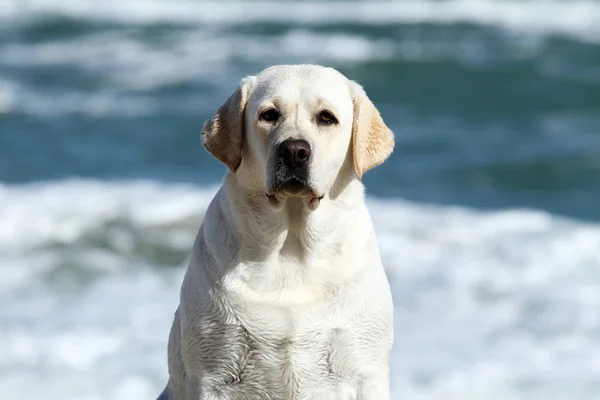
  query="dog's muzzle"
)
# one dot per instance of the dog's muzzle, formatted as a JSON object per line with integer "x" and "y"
{"x": 291, "y": 167}
{"x": 291, "y": 172}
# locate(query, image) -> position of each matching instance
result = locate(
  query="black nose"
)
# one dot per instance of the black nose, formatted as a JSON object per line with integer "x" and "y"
{"x": 294, "y": 152}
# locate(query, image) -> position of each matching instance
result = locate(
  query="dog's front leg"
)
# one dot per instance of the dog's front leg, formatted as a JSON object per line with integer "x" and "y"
{"x": 175, "y": 389}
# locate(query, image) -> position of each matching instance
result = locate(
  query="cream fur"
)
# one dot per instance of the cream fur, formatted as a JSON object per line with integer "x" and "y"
{"x": 287, "y": 299}
{"x": 372, "y": 141}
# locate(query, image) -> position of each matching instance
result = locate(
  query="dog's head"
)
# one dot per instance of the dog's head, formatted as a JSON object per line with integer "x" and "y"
{"x": 291, "y": 129}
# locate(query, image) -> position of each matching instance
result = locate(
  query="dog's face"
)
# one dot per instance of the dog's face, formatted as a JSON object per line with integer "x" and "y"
{"x": 299, "y": 126}
{"x": 292, "y": 128}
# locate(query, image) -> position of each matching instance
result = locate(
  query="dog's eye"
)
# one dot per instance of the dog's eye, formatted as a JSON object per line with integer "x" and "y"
{"x": 327, "y": 118}
{"x": 270, "y": 115}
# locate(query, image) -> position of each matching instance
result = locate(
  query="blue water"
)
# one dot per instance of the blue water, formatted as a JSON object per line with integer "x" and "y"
{"x": 495, "y": 106}
{"x": 484, "y": 116}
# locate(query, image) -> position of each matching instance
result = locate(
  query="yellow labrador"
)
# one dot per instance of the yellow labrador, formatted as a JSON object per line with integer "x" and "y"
{"x": 285, "y": 296}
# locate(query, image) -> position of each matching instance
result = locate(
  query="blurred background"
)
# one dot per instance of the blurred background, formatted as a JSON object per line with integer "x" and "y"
{"x": 488, "y": 212}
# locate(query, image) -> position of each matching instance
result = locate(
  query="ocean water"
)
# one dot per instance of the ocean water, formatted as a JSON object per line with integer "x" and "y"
{"x": 487, "y": 214}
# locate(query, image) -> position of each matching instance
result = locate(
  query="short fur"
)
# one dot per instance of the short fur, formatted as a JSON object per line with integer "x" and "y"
{"x": 223, "y": 134}
{"x": 285, "y": 296}
{"x": 372, "y": 141}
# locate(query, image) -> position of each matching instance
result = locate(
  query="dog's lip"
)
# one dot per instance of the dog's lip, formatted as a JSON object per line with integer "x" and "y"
{"x": 294, "y": 187}
{"x": 291, "y": 186}
{"x": 311, "y": 197}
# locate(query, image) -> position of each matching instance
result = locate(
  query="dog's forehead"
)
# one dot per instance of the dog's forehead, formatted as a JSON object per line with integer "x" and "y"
{"x": 308, "y": 84}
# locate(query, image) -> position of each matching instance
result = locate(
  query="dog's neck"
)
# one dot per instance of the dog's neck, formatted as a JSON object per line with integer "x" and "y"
{"x": 292, "y": 227}
{"x": 268, "y": 249}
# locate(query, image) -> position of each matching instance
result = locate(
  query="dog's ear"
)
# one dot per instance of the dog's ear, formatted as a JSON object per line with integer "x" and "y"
{"x": 223, "y": 134}
{"x": 372, "y": 140}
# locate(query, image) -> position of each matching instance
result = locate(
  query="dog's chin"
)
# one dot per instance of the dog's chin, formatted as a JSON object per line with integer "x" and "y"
{"x": 293, "y": 188}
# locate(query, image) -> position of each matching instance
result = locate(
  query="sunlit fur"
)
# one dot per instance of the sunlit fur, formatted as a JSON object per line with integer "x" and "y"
{"x": 287, "y": 298}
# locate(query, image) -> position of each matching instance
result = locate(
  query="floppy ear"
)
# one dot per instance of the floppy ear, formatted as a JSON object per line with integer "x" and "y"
{"x": 372, "y": 140}
{"x": 223, "y": 134}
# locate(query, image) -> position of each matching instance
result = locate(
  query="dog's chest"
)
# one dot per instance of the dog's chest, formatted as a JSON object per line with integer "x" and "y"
{"x": 288, "y": 356}
{"x": 306, "y": 342}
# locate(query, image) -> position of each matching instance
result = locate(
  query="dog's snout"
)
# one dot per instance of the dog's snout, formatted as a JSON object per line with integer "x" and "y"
{"x": 294, "y": 152}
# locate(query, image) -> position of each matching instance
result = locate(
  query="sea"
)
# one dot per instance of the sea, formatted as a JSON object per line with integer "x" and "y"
{"x": 487, "y": 213}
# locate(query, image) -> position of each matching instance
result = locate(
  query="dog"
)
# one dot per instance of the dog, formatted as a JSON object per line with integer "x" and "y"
{"x": 285, "y": 295}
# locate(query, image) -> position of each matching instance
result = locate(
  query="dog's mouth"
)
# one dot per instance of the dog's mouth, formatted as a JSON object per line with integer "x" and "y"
{"x": 293, "y": 187}
{"x": 288, "y": 182}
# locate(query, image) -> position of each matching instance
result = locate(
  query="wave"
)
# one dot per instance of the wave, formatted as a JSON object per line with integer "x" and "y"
{"x": 156, "y": 223}
{"x": 132, "y": 64}
{"x": 488, "y": 304}
{"x": 138, "y": 77}
{"x": 200, "y": 48}
{"x": 580, "y": 18}
{"x": 16, "y": 98}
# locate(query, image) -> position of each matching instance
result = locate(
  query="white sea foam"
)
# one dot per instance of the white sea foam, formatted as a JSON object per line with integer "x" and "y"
{"x": 34, "y": 214}
{"x": 577, "y": 17}
{"x": 19, "y": 98}
{"x": 132, "y": 64}
{"x": 489, "y": 305}
{"x": 131, "y": 68}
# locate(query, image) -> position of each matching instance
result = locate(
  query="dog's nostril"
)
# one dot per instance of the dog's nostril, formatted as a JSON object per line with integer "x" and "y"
{"x": 285, "y": 152}
{"x": 302, "y": 155}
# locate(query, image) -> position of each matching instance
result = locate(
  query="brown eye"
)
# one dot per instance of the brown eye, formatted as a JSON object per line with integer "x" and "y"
{"x": 270, "y": 115}
{"x": 327, "y": 118}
